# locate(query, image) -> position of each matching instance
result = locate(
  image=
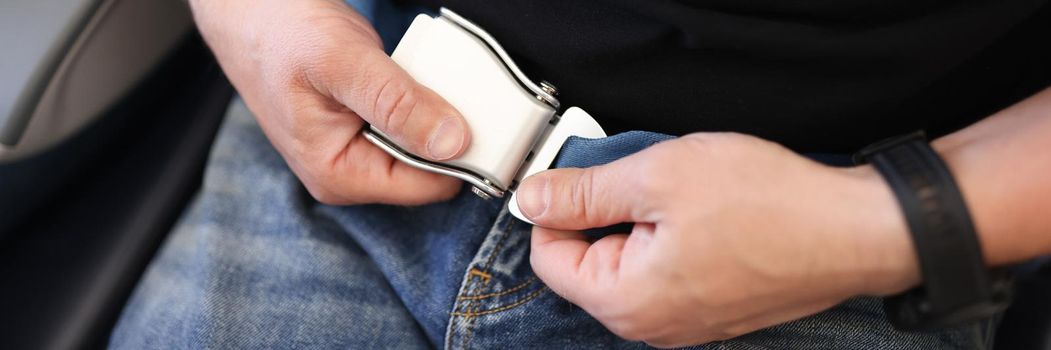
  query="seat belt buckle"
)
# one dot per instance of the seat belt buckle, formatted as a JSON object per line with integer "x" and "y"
{"x": 515, "y": 127}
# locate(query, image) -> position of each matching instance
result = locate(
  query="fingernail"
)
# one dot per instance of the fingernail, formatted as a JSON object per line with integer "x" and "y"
{"x": 533, "y": 197}
{"x": 446, "y": 140}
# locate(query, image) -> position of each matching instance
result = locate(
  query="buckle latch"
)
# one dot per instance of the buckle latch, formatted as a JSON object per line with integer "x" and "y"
{"x": 515, "y": 131}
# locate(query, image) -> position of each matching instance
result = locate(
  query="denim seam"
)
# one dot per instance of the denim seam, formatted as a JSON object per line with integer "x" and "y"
{"x": 471, "y": 286}
{"x": 473, "y": 305}
{"x": 505, "y": 292}
{"x": 499, "y": 244}
{"x": 513, "y": 305}
{"x": 471, "y": 320}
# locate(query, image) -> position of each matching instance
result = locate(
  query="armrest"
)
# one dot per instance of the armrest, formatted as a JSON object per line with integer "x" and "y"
{"x": 65, "y": 62}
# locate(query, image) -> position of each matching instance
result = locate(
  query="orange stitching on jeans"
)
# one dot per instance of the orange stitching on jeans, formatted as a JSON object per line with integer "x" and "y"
{"x": 470, "y": 314}
{"x": 472, "y": 286}
{"x": 489, "y": 260}
{"x": 471, "y": 321}
{"x": 518, "y": 303}
{"x": 484, "y": 276}
{"x": 496, "y": 294}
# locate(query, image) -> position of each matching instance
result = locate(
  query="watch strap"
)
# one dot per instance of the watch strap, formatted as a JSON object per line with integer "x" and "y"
{"x": 957, "y": 285}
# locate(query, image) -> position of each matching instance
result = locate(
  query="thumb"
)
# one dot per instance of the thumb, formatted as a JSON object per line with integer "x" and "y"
{"x": 384, "y": 95}
{"x": 577, "y": 199}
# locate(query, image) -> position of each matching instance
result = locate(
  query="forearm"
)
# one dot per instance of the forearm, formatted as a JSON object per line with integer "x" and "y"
{"x": 1003, "y": 167}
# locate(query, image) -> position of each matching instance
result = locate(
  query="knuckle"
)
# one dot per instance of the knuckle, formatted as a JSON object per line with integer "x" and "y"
{"x": 394, "y": 102}
{"x": 314, "y": 61}
{"x": 583, "y": 194}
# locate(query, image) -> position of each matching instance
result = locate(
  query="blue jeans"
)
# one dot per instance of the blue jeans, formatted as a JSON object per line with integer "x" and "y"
{"x": 256, "y": 263}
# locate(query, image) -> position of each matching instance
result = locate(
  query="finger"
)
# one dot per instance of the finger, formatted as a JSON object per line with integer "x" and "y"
{"x": 367, "y": 174}
{"x": 577, "y": 199}
{"x": 574, "y": 268}
{"x": 368, "y": 82}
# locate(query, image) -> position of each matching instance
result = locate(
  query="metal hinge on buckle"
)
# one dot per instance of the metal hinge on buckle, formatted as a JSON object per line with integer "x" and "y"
{"x": 515, "y": 131}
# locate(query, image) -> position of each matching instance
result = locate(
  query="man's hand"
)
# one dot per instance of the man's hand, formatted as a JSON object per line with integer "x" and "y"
{"x": 732, "y": 234}
{"x": 314, "y": 72}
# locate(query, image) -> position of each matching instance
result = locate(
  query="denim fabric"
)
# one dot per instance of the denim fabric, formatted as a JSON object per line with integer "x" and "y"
{"x": 580, "y": 152}
{"x": 256, "y": 263}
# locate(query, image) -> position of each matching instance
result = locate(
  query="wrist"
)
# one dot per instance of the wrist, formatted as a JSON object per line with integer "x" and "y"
{"x": 887, "y": 261}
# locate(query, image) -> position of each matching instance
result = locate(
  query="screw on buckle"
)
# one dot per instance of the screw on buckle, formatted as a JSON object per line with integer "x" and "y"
{"x": 478, "y": 192}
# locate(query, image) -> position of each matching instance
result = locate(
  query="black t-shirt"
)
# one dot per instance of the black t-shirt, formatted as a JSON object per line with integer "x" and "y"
{"x": 820, "y": 75}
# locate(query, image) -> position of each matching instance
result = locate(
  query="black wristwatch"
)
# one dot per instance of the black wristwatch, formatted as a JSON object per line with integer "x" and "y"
{"x": 957, "y": 286}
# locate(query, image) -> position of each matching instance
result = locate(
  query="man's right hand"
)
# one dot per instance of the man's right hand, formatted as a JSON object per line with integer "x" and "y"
{"x": 314, "y": 73}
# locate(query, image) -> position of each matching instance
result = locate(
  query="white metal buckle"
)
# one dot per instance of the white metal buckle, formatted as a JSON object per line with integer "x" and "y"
{"x": 515, "y": 131}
